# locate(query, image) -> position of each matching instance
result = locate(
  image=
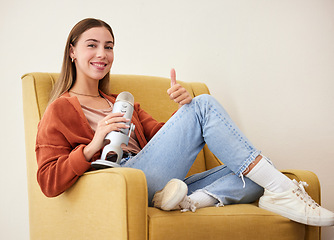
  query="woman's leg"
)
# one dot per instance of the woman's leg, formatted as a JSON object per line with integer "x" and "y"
{"x": 174, "y": 148}
{"x": 172, "y": 151}
{"x": 224, "y": 185}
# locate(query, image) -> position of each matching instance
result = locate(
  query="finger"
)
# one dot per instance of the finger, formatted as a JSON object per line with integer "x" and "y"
{"x": 174, "y": 93}
{"x": 172, "y": 77}
{"x": 186, "y": 101}
{"x": 116, "y": 120}
{"x": 112, "y": 115}
{"x": 174, "y": 88}
{"x": 120, "y": 126}
{"x": 180, "y": 98}
{"x": 115, "y": 127}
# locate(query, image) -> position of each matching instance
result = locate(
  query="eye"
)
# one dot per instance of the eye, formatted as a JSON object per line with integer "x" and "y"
{"x": 109, "y": 47}
{"x": 91, "y": 45}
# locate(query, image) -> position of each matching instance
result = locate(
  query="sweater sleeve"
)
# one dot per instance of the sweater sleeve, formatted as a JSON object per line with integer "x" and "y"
{"x": 150, "y": 125}
{"x": 59, "y": 149}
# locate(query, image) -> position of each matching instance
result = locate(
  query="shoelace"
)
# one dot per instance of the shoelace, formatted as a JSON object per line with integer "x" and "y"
{"x": 188, "y": 204}
{"x": 302, "y": 194}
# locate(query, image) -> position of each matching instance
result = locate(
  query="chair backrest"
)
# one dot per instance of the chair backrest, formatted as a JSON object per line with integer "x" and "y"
{"x": 150, "y": 92}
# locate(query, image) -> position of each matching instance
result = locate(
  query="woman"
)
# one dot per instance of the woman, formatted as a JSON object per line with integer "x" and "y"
{"x": 72, "y": 133}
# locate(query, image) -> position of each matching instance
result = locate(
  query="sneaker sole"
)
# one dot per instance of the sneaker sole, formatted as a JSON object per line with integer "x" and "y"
{"x": 300, "y": 219}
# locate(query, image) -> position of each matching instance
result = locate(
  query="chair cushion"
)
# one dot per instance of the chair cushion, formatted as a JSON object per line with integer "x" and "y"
{"x": 242, "y": 221}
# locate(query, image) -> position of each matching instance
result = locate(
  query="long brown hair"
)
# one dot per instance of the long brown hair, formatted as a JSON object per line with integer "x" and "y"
{"x": 68, "y": 71}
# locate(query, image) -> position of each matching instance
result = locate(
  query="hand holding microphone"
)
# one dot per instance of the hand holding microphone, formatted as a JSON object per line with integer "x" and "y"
{"x": 120, "y": 133}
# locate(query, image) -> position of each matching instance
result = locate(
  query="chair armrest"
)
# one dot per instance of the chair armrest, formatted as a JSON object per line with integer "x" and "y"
{"x": 105, "y": 204}
{"x": 313, "y": 190}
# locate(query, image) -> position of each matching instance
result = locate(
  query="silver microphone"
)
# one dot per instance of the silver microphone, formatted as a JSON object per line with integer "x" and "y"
{"x": 124, "y": 104}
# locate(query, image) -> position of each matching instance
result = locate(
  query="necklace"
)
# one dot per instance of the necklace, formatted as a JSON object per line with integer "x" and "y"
{"x": 82, "y": 94}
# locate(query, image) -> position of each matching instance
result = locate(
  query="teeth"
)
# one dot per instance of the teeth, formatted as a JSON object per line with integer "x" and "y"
{"x": 99, "y": 65}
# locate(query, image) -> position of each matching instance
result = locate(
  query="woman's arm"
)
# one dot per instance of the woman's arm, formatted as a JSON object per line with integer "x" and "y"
{"x": 66, "y": 144}
{"x": 59, "y": 168}
{"x": 61, "y": 138}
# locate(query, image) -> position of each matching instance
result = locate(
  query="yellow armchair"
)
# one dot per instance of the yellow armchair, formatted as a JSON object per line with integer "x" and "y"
{"x": 112, "y": 203}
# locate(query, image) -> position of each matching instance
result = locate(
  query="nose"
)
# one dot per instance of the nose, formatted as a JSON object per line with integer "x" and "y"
{"x": 101, "y": 52}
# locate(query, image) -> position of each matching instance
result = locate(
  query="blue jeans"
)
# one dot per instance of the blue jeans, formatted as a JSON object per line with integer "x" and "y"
{"x": 173, "y": 150}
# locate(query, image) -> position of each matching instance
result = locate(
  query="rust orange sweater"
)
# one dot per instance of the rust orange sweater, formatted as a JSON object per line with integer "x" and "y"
{"x": 64, "y": 131}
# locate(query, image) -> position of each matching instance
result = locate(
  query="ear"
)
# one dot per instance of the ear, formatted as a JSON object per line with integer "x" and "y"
{"x": 72, "y": 54}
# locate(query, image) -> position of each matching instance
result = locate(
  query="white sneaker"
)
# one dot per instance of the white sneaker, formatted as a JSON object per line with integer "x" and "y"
{"x": 174, "y": 197}
{"x": 297, "y": 205}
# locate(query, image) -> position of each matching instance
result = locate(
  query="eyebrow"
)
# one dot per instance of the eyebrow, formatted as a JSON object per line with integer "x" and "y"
{"x": 94, "y": 40}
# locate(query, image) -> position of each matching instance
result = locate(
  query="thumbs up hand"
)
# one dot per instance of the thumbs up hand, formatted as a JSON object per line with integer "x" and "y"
{"x": 176, "y": 92}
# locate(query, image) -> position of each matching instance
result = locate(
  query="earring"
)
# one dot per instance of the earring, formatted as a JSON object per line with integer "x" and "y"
{"x": 72, "y": 59}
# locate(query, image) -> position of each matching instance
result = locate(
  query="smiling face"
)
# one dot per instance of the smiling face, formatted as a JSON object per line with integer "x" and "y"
{"x": 93, "y": 54}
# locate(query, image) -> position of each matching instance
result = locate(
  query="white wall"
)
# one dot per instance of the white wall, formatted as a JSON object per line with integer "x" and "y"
{"x": 270, "y": 63}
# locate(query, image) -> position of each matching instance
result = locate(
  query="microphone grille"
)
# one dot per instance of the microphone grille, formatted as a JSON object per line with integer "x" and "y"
{"x": 126, "y": 96}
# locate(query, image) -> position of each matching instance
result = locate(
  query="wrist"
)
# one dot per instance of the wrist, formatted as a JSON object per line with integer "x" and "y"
{"x": 89, "y": 152}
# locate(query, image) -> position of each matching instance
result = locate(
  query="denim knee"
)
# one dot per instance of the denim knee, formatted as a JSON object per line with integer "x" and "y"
{"x": 204, "y": 98}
